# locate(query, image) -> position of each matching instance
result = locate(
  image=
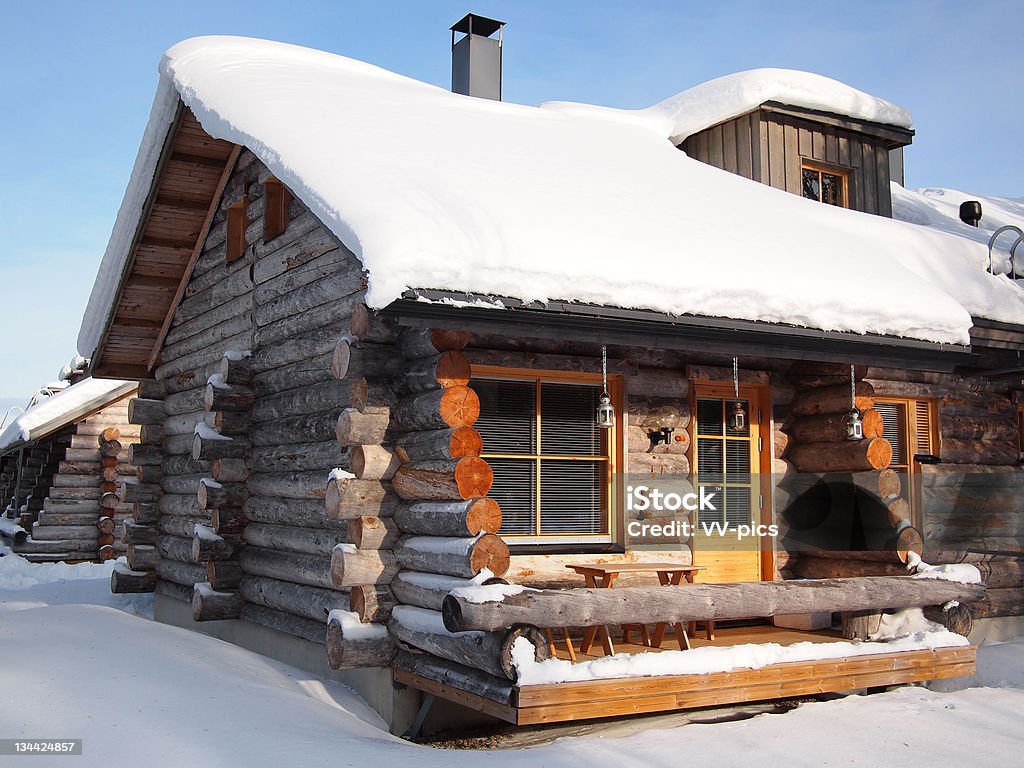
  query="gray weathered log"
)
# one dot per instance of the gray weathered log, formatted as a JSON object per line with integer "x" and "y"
{"x": 288, "y": 485}
{"x": 142, "y": 411}
{"x": 372, "y": 603}
{"x": 348, "y": 498}
{"x": 314, "y": 398}
{"x": 351, "y": 567}
{"x": 456, "y": 676}
{"x": 373, "y": 462}
{"x": 490, "y": 652}
{"x": 359, "y": 650}
{"x": 309, "y": 602}
{"x": 292, "y": 457}
{"x": 210, "y": 605}
{"x": 142, "y": 557}
{"x": 449, "y": 518}
{"x": 419, "y": 342}
{"x": 235, "y": 398}
{"x": 700, "y": 602}
{"x": 313, "y": 427}
{"x": 440, "y": 444}
{"x": 428, "y": 590}
{"x": 355, "y": 428}
{"x": 454, "y": 556}
{"x": 229, "y": 470}
{"x": 287, "y": 566}
{"x": 124, "y": 581}
{"x": 302, "y": 513}
{"x": 291, "y": 538}
{"x": 371, "y": 532}
{"x": 207, "y": 449}
{"x": 224, "y": 575}
{"x": 456, "y": 406}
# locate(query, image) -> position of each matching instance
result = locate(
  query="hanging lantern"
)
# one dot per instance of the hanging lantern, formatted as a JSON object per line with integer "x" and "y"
{"x": 605, "y": 410}
{"x": 736, "y": 421}
{"x": 854, "y": 426}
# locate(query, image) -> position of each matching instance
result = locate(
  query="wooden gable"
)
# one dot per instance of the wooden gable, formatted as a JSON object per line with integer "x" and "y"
{"x": 193, "y": 169}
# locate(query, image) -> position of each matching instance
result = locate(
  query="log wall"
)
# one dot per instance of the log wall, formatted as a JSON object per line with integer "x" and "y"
{"x": 67, "y": 498}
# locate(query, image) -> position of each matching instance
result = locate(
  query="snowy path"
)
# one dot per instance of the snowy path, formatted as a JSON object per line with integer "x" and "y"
{"x": 164, "y": 696}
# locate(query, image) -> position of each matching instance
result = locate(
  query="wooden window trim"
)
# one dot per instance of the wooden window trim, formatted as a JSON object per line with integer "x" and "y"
{"x": 237, "y": 223}
{"x": 842, "y": 173}
{"x": 913, "y": 493}
{"x": 1020, "y": 433}
{"x": 614, "y": 489}
{"x": 275, "y": 215}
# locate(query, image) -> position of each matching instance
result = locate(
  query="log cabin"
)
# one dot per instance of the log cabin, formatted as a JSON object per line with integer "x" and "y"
{"x": 422, "y": 375}
{"x": 61, "y": 462}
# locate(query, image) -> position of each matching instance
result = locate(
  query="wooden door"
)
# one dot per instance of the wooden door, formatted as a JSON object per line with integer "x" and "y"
{"x": 731, "y": 463}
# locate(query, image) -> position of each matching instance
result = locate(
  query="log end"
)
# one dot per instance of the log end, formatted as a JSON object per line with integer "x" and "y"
{"x": 490, "y": 552}
{"x": 474, "y": 477}
{"x": 459, "y": 406}
{"x": 451, "y": 614}
{"x": 483, "y": 516}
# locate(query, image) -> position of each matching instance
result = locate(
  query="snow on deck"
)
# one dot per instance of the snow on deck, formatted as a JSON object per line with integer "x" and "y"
{"x": 63, "y": 408}
{"x": 436, "y": 190}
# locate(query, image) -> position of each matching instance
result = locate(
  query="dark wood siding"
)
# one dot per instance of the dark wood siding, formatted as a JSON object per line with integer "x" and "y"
{"x": 769, "y": 146}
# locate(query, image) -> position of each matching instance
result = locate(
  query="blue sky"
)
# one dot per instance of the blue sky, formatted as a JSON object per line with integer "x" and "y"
{"x": 79, "y": 77}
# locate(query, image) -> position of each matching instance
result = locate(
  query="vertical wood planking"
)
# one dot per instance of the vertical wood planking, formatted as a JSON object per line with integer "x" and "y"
{"x": 882, "y": 178}
{"x": 792, "y": 158}
{"x": 776, "y": 155}
{"x": 729, "y": 148}
{"x": 804, "y": 141}
{"x": 759, "y": 128}
{"x": 844, "y": 150}
{"x": 715, "y": 150}
{"x": 870, "y": 177}
{"x": 831, "y": 146}
{"x": 745, "y": 151}
{"x": 818, "y": 145}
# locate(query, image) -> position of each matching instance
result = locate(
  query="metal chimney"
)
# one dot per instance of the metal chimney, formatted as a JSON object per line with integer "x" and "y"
{"x": 476, "y": 57}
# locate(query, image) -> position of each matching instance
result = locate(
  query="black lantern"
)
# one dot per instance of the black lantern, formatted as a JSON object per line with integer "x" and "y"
{"x": 736, "y": 420}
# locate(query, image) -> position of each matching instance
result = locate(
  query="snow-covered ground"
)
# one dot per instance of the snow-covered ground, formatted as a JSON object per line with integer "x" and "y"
{"x": 76, "y": 663}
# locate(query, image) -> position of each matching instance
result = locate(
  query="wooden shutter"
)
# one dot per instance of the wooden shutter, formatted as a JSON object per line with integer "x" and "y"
{"x": 923, "y": 428}
{"x": 237, "y": 223}
{"x": 275, "y": 215}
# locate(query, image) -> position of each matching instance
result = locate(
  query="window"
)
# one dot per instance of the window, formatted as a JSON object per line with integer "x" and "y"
{"x": 237, "y": 223}
{"x": 725, "y": 452}
{"x": 911, "y": 427}
{"x": 826, "y": 185}
{"x": 275, "y": 216}
{"x": 553, "y": 466}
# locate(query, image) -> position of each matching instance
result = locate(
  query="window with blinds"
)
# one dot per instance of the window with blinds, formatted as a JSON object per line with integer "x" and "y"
{"x": 551, "y": 462}
{"x": 911, "y": 427}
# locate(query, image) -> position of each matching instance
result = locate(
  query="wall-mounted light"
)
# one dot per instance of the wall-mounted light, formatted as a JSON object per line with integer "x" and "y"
{"x": 664, "y": 422}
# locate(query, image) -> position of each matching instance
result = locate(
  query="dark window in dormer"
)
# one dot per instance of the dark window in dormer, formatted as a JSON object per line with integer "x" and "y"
{"x": 826, "y": 185}
{"x": 237, "y": 223}
{"x": 275, "y": 217}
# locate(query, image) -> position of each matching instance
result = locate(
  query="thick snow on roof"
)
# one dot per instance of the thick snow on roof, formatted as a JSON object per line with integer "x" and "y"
{"x": 940, "y": 208}
{"x": 65, "y": 407}
{"x": 431, "y": 189}
{"x": 733, "y": 95}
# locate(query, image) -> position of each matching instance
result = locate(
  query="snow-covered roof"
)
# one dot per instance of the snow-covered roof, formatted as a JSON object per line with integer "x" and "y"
{"x": 435, "y": 190}
{"x": 733, "y": 95}
{"x": 63, "y": 408}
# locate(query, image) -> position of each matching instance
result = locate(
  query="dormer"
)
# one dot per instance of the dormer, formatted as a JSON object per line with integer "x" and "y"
{"x": 816, "y": 153}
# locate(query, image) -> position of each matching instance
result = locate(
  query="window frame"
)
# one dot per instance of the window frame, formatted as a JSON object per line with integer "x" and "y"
{"x": 912, "y": 490}
{"x": 820, "y": 168}
{"x": 613, "y": 486}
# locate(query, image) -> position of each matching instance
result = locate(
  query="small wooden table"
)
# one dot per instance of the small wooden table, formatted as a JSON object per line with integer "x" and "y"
{"x": 603, "y": 576}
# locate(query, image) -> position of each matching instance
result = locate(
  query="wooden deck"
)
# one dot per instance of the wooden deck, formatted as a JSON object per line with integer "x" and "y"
{"x": 590, "y": 699}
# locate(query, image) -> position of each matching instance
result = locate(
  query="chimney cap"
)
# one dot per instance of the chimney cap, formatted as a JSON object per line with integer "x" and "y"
{"x": 471, "y": 24}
